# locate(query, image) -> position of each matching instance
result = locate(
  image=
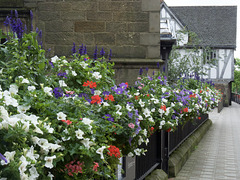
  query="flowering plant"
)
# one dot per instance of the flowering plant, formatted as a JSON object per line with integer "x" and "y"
{"x": 67, "y": 119}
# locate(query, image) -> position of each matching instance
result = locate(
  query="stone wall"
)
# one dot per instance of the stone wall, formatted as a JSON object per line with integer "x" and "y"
{"x": 129, "y": 27}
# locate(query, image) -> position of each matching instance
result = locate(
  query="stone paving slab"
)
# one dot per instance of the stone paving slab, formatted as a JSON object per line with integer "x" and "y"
{"x": 217, "y": 156}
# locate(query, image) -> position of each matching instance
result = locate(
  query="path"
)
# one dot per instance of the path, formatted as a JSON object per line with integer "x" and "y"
{"x": 217, "y": 156}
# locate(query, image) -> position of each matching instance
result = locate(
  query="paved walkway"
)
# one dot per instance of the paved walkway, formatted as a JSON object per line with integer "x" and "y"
{"x": 217, "y": 156}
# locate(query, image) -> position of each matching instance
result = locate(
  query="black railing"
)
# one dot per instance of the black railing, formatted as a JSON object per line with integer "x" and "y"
{"x": 160, "y": 146}
{"x": 235, "y": 97}
{"x": 184, "y": 131}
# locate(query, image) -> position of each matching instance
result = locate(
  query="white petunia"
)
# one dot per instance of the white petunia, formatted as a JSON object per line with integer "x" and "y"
{"x": 49, "y": 161}
{"x": 50, "y": 175}
{"x": 137, "y": 151}
{"x": 48, "y": 90}
{"x": 61, "y": 116}
{"x": 23, "y": 108}
{"x": 105, "y": 104}
{"x": 146, "y": 112}
{"x": 97, "y": 75}
{"x": 83, "y": 64}
{"x": 31, "y": 88}
{"x": 87, "y": 121}
{"x": 164, "y": 89}
{"x": 33, "y": 173}
{"x": 3, "y": 113}
{"x": 97, "y": 92}
{"x": 79, "y": 134}
{"x": 62, "y": 83}
{"x": 9, "y": 157}
{"x": 141, "y": 103}
{"x": 87, "y": 143}
{"x": 162, "y": 123}
{"x": 31, "y": 155}
{"x": 13, "y": 89}
{"x": 48, "y": 127}
{"x": 55, "y": 59}
{"x": 100, "y": 151}
{"x": 74, "y": 73}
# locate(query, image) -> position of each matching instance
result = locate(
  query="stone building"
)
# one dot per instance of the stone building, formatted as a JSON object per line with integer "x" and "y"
{"x": 130, "y": 28}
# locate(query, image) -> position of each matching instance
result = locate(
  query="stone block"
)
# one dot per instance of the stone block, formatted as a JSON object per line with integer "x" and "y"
{"x": 64, "y": 38}
{"x": 63, "y": 50}
{"x": 130, "y": 16}
{"x": 151, "y": 5}
{"x": 49, "y": 16}
{"x": 90, "y": 26}
{"x": 89, "y": 38}
{"x": 149, "y": 39}
{"x": 127, "y": 38}
{"x": 154, "y": 22}
{"x": 59, "y": 26}
{"x": 129, "y": 51}
{"x": 83, "y": 5}
{"x": 116, "y": 27}
{"x": 120, "y": 6}
{"x": 49, "y": 6}
{"x": 104, "y": 38}
{"x": 138, "y": 27}
{"x": 73, "y": 15}
{"x": 153, "y": 51}
{"x": 11, "y": 3}
{"x": 99, "y": 16}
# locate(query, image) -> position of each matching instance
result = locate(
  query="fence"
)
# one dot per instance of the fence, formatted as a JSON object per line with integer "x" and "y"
{"x": 235, "y": 97}
{"x": 161, "y": 145}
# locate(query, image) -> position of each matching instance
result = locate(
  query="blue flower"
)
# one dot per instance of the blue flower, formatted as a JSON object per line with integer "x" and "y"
{"x": 110, "y": 55}
{"x": 73, "y": 49}
{"x": 108, "y": 117}
{"x": 3, "y": 158}
{"x": 95, "y": 53}
{"x": 102, "y": 52}
{"x": 58, "y": 92}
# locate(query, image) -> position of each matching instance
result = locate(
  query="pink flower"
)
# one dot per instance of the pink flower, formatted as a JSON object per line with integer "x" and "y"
{"x": 131, "y": 125}
{"x": 139, "y": 78}
{"x": 139, "y": 87}
{"x": 95, "y": 166}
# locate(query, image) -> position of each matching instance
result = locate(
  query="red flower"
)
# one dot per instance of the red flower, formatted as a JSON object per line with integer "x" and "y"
{"x": 90, "y": 84}
{"x": 152, "y": 128}
{"x": 126, "y": 84}
{"x": 163, "y": 107}
{"x": 199, "y": 118}
{"x": 192, "y": 95}
{"x": 109, "y": 97}
{"x": 185, "y": 110}
{"x": 74, "y": 168}
{"x": 67, "y": 121}
{"x": 168, "y": 130}
{"x": 113, "y": 150}
{"x": 95, "y": 166}
{"x": 96, "y": 99}
{"x": 201, "y": 91}
{"x": 136, "y": 97}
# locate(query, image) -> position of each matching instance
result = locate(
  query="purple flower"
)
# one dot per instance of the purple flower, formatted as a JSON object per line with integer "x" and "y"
{"x": 73, "y": 49}
{"x": 83, "y": 95}
{"x": 80, "y": 50}
{"x": 85, "y": 49}
{"x": 62, "y": 75}
{"x": 16, "y": 14}
{"x": 140, "y": 71}
{"x": 105, "y": 93}
{"x": 58, "y": 92}
{"x": 102, "y": 52}
{"x": 110, "y": 55}
{"x": 95, "y": 53}
{"x": 130, "y": 115}
{"x": 123, "y": 86}
{"x": 108, "y": 117}
{"x": 147, "y": 69}
{"x": 92, "y": 91}
{"x": 150, "y": 78}
{"x": 158, "y": 65}
{"x": 119, "y": 90}
{"x": 3, "y": 158}
{"x": 50, "y": 62}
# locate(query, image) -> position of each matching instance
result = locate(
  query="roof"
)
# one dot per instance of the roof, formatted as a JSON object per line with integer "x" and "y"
{"x": 215, "y": 25}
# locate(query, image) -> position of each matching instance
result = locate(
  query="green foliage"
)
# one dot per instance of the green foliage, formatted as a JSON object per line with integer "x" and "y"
{"x": 190, "y": 58}
{"x": 236, "y": 83}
